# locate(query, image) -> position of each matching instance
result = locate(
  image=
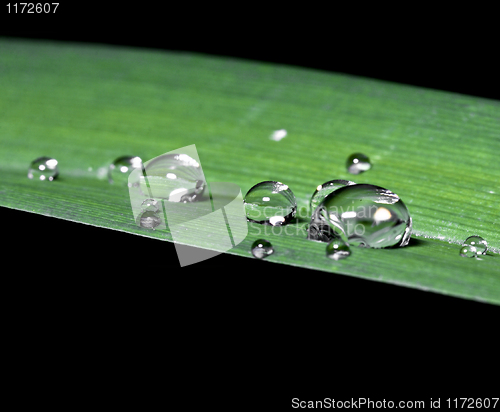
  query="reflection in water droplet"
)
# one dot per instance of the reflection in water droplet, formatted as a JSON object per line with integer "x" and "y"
{"x": 175, "y": 177}
{"x": 149, "y": 219}
{"x": 478, "y": 243}
{"x": 271, "y": 203}
{"x": 150, "y": 205}
{"x": 468, "y": 251}
{"x": 43, "y": 168}
{"x": 262, "y": 248}
{"x": 120, "y": 169}
{"x": 363, "y": 215}
{"x": 325, "y": 189}
{"x": 337, "y": 249}
{"x": 358, "y": 163}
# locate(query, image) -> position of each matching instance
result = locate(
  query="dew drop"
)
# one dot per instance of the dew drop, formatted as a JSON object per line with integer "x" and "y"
{"x": 262, "y": 248}
{"x": 325, "y": 189}
{"x": 271, "y": 203}
{"x": 358, "y": 163}
{"x": 337, "y": 249}
{"x": 478, "y": 243}
{"x": 362, "y": 215}
{"x": 175, "y": 177}
{"x": 278, "y": 135}
{"x": 120, "y": 169}
{"x": 468, "y": 251}
{"x": 320, "y": 231}
{"x": 150, "y": 205}
{"x": 43, "y": 168}
{"x": 149, "y": 219}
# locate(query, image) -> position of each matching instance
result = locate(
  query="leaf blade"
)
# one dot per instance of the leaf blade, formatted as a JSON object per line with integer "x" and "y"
{"x": 86, "y": 105}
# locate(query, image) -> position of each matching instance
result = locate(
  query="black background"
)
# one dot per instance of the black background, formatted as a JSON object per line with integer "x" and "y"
{"x": 92, "y": 268}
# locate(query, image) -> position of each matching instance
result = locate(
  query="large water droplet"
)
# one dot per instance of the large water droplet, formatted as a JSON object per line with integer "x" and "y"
{"x": 363, "y": 215}
{"x": 468, "y": 251}
{"x": 43, "y": 168}
{"x": 325, "y": 189}
{"x": 120, "y": 169}
{"x": 270, "y": 203}
{"x": 175, "y": 177}
{"x": 337, "y": 249}
{"x": 478, "y": 243}
{"x": 262, "y": 248}
{"x": 358, "y": 163}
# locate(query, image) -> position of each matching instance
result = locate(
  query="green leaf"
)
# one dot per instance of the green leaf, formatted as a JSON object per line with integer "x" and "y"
{"x": 87, "y": 105}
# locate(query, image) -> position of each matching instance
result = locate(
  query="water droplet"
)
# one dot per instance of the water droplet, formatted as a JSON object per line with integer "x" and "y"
{"x": 270, "y": 203}
{"x": 278, "y": 135}
{"x": 150, "y": 205}
{"x": 325, "y": 189}
{"x": 262, "y": 248}
{"x": 337, "y": 249}
{"x": 478, "y": 243}
{"x": 320, "y": 231}
{"x": 149, "y": 219}
{"x": 120, "y": 169}
{"x": 43, "y": 168}
{"x": 468, "y": 251}
{"x": 358, "y": 163}
{"x": 363, "y": 215}
{"x": 175, "y": 177}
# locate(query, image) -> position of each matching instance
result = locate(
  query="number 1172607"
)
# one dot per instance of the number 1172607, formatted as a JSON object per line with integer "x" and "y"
{"x": 31, "y": 8}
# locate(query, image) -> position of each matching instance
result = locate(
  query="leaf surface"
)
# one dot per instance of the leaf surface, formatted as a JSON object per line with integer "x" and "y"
{"x": 86, "y": 105}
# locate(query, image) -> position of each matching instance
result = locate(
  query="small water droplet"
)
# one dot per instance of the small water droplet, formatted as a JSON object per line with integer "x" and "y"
{"x": 262, "y": 248}
{"x": 363, "y": 215}
{"x": 478, "y": 243}
{"x": 270, "y": 203}
{"x": 120, "y": 169}
{"x": 149, "y": 219}
{"x": 175, "y": 177}
{"x": 337, "y": 249}
{"x": 325, "y": 189}
{"x": 150, "y": 205}
{"x": 358, "y": 163}
{"x": 468, "y": 251}
{"x": 320, "y": 231}
{"x": 278, "y": 135}
{"x": 43, "y": 168}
